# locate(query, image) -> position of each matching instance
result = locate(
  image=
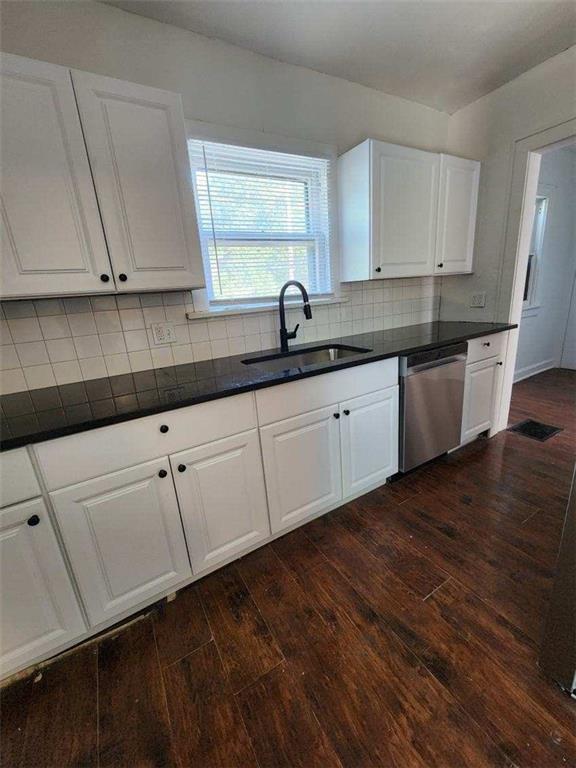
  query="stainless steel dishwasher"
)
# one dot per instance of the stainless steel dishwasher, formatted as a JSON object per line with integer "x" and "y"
{"x": 431, "y": 396}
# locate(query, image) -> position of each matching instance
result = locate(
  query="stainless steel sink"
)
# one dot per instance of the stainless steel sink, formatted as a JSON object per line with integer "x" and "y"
{"x": 304, "y": 358}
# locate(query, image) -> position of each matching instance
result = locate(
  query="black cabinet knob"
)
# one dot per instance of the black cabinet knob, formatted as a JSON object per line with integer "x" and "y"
{"x": 105, "y": 278}
{"x": 440, "y": 266}
{"x": 164, "y": 428}
{"x": 485, "y": 343}
{"x": 162, "y": 473}
{"x": 181, "y": 467}
{"x": 122, "y": 277}
{"x": 346, "y": 412}
{"x": 499, "y": 363}
{"x": 34, "y": 520}
{"x": 336, "y": 415}
{"x": 378, "y": 269}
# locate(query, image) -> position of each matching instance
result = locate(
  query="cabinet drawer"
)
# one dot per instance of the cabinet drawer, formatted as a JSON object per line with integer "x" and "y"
{"x": 17, "y": 477}
{"x": 298, "y": 397}
{"x": 485, "y": 347}
{"x": 73, "y": 459}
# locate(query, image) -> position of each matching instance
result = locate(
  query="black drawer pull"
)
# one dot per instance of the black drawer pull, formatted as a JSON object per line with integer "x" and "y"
{"x": 34, "y": 520}
{"x": 105, "y": 278}
{"x": 162, "y": 473}
{"x": 485, "y": 343}
{"x": 346, "y": 412}
{"x": 181, "y": 467}
{"x": 378, "y": 269}
{"x": 440, "y": 265}
{"x": 122, "y": 277}
{"x": 164, "y": 428}
{"x": 336, "y": 415}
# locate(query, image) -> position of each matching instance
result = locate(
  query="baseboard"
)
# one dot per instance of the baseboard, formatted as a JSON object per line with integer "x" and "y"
{"x": 532, "y": 370}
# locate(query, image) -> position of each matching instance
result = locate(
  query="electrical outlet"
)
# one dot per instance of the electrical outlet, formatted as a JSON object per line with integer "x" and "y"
{"x": 163, "y": 333}
{"x": 478, "y": 300}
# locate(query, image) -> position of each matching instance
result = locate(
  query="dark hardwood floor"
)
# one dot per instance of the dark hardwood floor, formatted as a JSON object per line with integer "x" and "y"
{"x": 400, "y": 630}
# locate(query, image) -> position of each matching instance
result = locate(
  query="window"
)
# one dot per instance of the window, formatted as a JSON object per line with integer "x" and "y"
{"x": 263, "y": 219}
{"x": 530, "y": 297}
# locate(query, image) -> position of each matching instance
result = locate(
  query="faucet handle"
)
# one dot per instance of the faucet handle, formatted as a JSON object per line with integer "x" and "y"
{"x": 295, "y": 331}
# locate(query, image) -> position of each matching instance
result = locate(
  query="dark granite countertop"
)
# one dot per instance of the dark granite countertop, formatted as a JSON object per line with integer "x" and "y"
{"x": 43, "y": 414}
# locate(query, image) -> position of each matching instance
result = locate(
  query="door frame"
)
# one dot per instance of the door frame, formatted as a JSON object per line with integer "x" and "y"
{"x": 527, "y": 155}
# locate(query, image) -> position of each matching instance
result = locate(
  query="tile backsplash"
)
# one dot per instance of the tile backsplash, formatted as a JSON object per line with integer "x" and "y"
{"x": 60, "y": 341}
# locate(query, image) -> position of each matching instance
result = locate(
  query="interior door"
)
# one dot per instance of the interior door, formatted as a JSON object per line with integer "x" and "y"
{"x": 457, "y": 203}
{"x": 480, "y": 391}
{"x": 124, "y": 537}
{"x": 37, "y": 602}
{"x": 405, "y": 207}
{"x": 302, "y": 466}
{"x": 369, "y": 434}
{"x": 136, "y": 141}
{"x": 52, "y": 238}
{"x": 222, "y": 496}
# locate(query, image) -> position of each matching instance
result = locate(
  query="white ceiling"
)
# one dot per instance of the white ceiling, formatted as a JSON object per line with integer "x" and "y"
{"x": 442, "y": 53}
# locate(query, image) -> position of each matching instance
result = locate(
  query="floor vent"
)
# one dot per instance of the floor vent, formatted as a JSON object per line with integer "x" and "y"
{"x": 535, "y": 429}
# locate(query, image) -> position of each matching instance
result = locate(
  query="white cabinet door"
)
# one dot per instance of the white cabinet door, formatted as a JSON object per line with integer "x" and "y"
{"x": 37, "y": 603}
{"x": 369, "y": 436}
{"x": 52, "y": 238}
{"x": 136, "y": 141}
{"x": 302, "y": 466}
{"x": 222, "y": 497}
{"x": 480, "y": 391}
{"x": 405, "y": 207}
{"x": 124, "y": 537}
{"x": 457, "y": 202}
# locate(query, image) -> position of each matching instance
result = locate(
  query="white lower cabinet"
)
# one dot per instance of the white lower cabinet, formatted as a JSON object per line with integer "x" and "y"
{"x": 302, "y": 466}
{"x": 369, "y": 437}
{"x": 38, "y": 606}
{"x": 480, "y": 397}
{"x": 221, "y": 491}
{"x": 124, "y": 537}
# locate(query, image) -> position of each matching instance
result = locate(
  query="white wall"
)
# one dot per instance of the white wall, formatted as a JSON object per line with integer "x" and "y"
{"x": 486, "y": 130}
{"x": 219, "y": 83}
{"x": 569, "y": 350}
{"x": 542, "y": 330}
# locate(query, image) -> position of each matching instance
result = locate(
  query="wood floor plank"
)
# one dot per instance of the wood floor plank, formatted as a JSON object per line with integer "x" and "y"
{"x": 14, "y": 702}
{"x": 297, "y": 552}
{"x": 134, "y": 728}
{"x": 246, "y": 645}
{"x": 208, "y": 730}
{"x": 61, "y": 729}
{"x": 283, "y": 727}
{"x": 181, "y": 626}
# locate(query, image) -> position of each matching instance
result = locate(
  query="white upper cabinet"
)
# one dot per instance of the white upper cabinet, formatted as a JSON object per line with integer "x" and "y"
{"x": 136, "y": 141}
{"x": 457, "y": 202}
{"x": 404, "y": 211}
{"x": 52, "y": 240}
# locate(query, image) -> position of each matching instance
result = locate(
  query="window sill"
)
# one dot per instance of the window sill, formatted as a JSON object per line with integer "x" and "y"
{"x": 250, "y": 309}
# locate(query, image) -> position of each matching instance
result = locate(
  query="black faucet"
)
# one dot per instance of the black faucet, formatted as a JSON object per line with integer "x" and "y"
{"x": 284, "y": 334}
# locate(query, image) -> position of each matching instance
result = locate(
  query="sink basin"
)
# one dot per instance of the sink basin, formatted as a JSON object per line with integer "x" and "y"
{"x": 303, "y": 358}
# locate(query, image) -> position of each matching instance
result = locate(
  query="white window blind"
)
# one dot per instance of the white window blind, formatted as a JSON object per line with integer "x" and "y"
{"x": 263, "y": 218}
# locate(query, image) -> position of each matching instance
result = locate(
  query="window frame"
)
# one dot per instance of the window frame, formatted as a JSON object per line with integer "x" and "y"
{"x": 275, "y": 143}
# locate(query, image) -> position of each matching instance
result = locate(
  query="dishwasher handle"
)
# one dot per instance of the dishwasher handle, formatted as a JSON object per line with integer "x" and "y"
{"x": 434, "y": 364}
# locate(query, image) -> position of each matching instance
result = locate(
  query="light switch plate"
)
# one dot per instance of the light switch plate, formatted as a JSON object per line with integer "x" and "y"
{"x": 163, "y": 333}
{"x": 478, "y": 300}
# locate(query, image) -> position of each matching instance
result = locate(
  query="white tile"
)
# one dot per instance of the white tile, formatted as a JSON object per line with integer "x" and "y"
{"x": 154, "y": 315}
{"x": 18, "y": 309}
{"x": 173, "y": 298}
{"x": 140, "y": 361}
{"x": 234, "y": 327}
{"x": 182, "y": 334}
{"x": 176, "y": 314}
{"x": 88, "y": 346}
{"x": 198, "y": 331}
{"x": 8, "y": 357}
{"x": 103, "y": 303}
{"x": 12, "y": 381}
{"x": 219, "y": 348}
{"x": 151, "y": 300}
{"x": 136, "y": 340}
{"x": 107, "y": 322}
{"x": 253, "y": 342}
{"x": 47, "y": 307}
{"x": 117, "y": 364}
{"x": 82, "y": 324}
{"x": 266, "y": 322}
{"x": 93, "y": 368}
{"x": 217, "y": 329}
{"x": 38, "y": 376}
{"x": 237, "y": 345}
{"x": 251, "y": 325}
{"x": 131, "y": 319}
{"x": 162, "y": 357}
{"x": 202, "y": 350}
{"x": 268, "y": 340}
{"x": 25, "y": 329}
{"x": 130, "y": 301}
{"x": 182, "y": 354}
{"x": 5, "y": 335}
{"x": 76, "y": 305}
{"x": 112, "y": 343}
{"x": 60, "y": 350}
{"x": 66, "y": 373}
